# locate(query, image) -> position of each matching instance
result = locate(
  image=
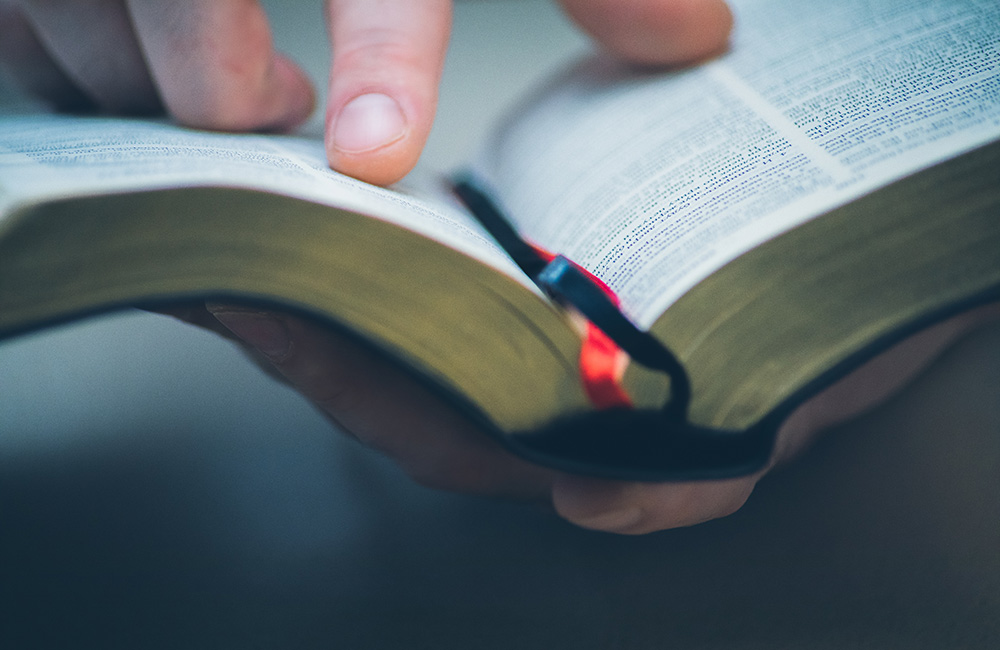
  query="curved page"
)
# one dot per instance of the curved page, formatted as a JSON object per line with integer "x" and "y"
{"x": 655, "y": 181}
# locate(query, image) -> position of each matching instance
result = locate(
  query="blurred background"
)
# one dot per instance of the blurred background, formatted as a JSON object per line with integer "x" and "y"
{"x": 158, "y": 491}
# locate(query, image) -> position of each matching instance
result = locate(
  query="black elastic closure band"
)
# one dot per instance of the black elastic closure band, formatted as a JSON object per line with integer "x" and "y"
{"x": 486, "y": 212}
{"x": 619, "y": 443}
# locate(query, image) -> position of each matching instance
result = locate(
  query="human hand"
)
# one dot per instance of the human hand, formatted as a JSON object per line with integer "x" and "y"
{"x": 211, "y": 63}
{"x": 372, "y": 400}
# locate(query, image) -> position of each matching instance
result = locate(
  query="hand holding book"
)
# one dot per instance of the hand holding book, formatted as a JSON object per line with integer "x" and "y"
{"x": 371, "y": 400}
{"x": 773, "y": 227}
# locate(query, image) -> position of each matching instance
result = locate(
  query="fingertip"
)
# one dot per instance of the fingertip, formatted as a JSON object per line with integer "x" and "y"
{"x": 295, "y": 93}
{"x": 380, "y": 167}
{"x": 632, "y": 508}
{"x": 372, "y": 138}
{"x": 656, "y": 32}
{"x": 367, "y": 123}
{"x": 596, "y": 504}
{"x": 216, "y": 67}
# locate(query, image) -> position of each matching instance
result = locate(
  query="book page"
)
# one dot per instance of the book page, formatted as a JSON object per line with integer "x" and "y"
{"x": 45, "y": 157}
{"x": 654, "y": 181}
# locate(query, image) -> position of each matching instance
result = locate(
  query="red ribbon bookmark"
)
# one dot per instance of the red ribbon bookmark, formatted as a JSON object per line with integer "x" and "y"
{"x": 602, "y": 361}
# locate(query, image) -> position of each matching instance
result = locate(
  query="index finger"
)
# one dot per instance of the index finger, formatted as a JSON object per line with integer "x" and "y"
{"x": 387, "y": 61}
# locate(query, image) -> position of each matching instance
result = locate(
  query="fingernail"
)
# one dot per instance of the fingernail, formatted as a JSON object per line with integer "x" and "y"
{"x": 368, "y": 122}
{"x": 266, "y": 333}
{"x": 613, "y": 521}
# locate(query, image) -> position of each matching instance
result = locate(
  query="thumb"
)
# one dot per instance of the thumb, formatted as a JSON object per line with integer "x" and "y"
{"x": 387, "y": 61}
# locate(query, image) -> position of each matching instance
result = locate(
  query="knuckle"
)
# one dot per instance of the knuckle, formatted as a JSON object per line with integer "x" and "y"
{"x": 373, "y": 51}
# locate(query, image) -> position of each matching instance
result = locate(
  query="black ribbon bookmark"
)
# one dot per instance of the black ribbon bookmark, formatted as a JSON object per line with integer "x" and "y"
{"x": 636, "y": 444}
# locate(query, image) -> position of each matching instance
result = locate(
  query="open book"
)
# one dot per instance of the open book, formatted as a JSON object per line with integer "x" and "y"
{"x": 766, "y": 223}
